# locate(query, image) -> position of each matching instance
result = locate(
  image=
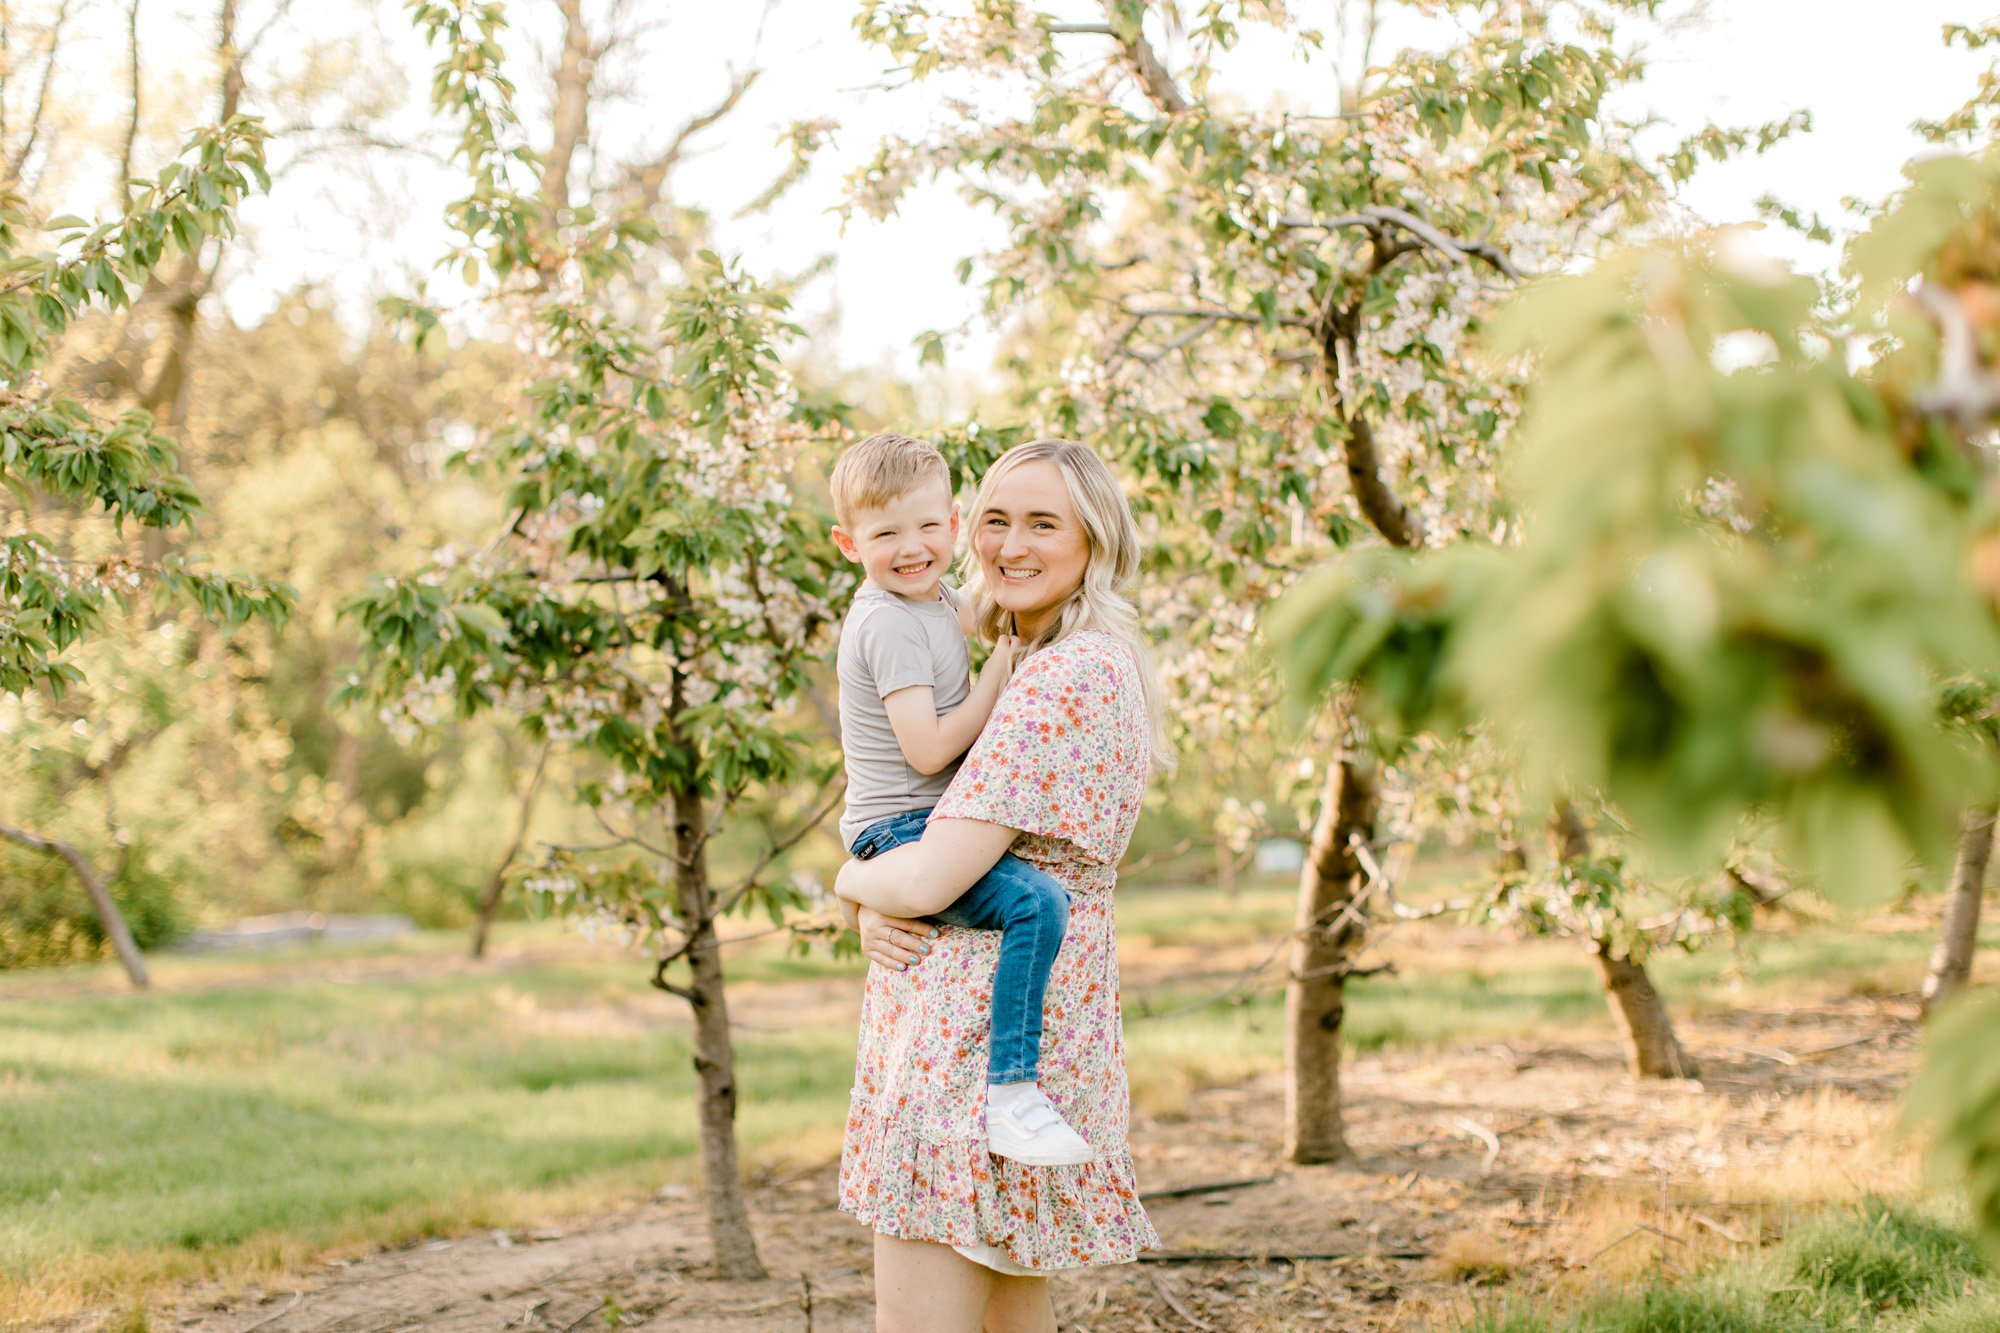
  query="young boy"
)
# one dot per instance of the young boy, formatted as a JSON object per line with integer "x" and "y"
{"x": 908, "y": 711}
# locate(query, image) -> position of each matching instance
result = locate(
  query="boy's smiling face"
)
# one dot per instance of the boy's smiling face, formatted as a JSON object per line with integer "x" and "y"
{"x": 905, "y": 544}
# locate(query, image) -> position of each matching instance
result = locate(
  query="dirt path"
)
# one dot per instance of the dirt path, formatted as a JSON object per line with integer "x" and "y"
{"x": 1533, "y": 1164}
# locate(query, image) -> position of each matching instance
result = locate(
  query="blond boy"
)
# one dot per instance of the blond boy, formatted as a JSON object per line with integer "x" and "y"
{"x": 909, "y": 710}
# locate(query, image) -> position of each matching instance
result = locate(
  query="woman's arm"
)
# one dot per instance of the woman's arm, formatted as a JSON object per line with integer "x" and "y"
{"x": 929, "y": 874}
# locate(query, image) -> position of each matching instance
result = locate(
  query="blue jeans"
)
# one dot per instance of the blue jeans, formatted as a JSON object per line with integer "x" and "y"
{"x": 1029, "y": 909}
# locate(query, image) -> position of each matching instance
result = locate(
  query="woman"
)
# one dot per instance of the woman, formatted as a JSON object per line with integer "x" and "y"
{"x": 963, "y": 1238}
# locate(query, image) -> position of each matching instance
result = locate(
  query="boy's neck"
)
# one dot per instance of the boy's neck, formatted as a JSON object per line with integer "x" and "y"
{"x": 935, "y": 593}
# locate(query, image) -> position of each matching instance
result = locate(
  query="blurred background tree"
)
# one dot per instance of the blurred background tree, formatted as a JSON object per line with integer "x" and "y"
{"x": 1756, "y": 552}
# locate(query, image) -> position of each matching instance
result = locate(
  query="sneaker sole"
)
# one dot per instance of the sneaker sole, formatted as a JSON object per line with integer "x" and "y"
{"x": 1070, "y": 1159}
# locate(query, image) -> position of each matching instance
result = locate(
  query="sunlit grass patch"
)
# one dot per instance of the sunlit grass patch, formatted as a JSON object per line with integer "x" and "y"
{"x": 1473, "y": 1256}
{"x": 1885, "y": 1257}
{"x": 1874, "y": 1266}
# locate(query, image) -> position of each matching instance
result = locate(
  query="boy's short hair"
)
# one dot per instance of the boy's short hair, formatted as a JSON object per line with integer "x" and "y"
{"x": 882, "y": 467}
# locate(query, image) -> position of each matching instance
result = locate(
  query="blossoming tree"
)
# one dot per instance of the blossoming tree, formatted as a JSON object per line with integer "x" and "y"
{"x": 59, "y": 455}
{"x": 660, "y": 590}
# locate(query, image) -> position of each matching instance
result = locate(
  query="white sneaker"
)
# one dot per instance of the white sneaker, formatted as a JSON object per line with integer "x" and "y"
{"x": 1025, "y": 1127}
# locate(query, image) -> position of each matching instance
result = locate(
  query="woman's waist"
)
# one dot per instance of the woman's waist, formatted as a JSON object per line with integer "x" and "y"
{"x": 1074, "y": 875}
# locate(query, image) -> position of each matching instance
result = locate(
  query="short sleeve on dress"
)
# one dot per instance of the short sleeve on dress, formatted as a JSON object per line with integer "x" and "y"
{"x": 1057, "y": 756}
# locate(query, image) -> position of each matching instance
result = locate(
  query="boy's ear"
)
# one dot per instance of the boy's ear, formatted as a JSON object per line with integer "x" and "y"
{"x": 846, "y": 544}
{"x": 954, "y": 520}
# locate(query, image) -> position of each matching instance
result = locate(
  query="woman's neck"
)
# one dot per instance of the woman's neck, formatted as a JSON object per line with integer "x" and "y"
{"x": 1032, "y": 626}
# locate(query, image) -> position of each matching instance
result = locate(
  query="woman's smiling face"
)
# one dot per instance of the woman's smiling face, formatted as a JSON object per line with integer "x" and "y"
{"x": 1032, "y": 547}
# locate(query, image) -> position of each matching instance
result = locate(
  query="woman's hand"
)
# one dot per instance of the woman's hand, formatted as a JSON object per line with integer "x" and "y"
{"x": 893, "y": 941}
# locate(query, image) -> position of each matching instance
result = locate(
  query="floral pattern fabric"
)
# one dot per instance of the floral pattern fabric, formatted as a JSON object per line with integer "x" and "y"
{"x": 1064, "y": 758}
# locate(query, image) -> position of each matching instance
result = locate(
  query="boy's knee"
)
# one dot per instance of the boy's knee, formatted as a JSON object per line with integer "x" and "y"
{"x": 1052, "y": 905}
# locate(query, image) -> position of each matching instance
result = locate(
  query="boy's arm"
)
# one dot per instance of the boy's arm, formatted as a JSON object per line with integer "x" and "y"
{"x": 930, "y": 740}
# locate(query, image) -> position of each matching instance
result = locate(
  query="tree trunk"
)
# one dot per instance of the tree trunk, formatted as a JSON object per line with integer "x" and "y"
{"x": 100, "y": 899}
{"x": 1652, "y": 1050}
{"x": 714, "y": 1052}
{"x": 1330, "y": 929}
{"x": 165, "y": 396}
{"x": 1650, "y": 1045}
{"x": 570, "y": 116}
{"x": 1951, "y": 961}
{"x": 489, "y": 898}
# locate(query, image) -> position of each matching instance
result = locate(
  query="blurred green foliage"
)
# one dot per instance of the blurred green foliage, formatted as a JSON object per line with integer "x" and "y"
{"x": 54, "y": 445}
{"x": 1754, "y": 577}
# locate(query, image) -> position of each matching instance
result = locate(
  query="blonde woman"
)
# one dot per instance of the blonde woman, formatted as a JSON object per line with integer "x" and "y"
{"x": 964, "y": 1240}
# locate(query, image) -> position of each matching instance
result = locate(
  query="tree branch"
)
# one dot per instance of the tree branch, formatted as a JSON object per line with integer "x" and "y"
{"x": 114, "y": 760}
{"x": 1215, "y": 313}
{"x": 100, "y": 897}
{"x": 278, "y": 11}
{"x": 18, "y": 160}
{"x": 1462, "y": 251}
{"x": 632, "y": 839}
{"x": 779, "y": 846}
{"x": 231, "y": 55}
{"x": 132, "y": 121}
{"x": 1159, "y": 86}
{"x": 1339, "y": 334}
{"x": 489, "y": 899}
{"x": 648, "y": 180}
{"x": 660, "y": 966}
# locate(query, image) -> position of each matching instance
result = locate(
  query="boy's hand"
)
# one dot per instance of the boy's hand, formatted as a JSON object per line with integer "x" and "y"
{"x": 1000, "y": 662}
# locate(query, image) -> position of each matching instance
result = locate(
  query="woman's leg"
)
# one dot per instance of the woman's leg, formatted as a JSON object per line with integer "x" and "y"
{"x": 1020, "y": 1305}
{"x": 921, "y": 1287}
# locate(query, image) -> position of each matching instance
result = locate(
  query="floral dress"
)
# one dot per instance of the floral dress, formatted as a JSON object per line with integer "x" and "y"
{"x": 1064, "y": 758}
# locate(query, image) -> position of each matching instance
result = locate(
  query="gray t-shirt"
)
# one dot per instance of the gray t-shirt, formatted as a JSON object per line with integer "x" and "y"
{"x": 889, "y": 643}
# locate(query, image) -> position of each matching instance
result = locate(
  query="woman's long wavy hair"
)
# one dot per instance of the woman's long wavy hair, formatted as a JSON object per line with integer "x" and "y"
{"x": 1102, "y": 601}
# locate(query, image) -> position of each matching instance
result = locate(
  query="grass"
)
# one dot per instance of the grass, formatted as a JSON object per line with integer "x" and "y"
{"x": 168, "y": 1133}
{"x": 1874, "y": 1267}
{"x": 251, "y": 1113}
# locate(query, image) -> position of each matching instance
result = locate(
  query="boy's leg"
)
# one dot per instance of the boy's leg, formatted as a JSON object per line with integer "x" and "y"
{"x": 888, "y": 832}
{"x": 1030, "y": 910}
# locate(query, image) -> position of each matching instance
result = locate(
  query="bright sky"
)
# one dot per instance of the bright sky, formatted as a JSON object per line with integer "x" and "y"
{"x": 1863, "y": 69}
